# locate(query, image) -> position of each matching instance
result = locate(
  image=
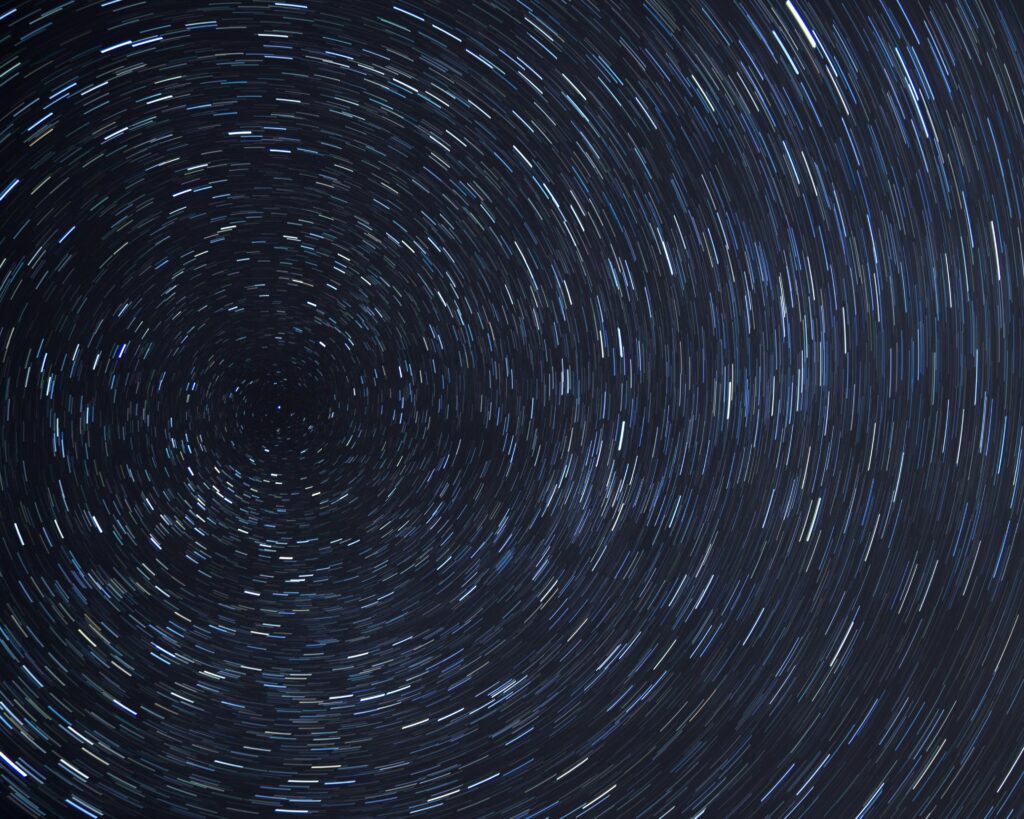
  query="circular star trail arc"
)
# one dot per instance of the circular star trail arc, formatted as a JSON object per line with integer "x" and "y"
{"x": 511, "y": 408}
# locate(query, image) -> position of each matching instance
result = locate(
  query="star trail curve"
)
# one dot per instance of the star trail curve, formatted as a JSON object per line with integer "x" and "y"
{"x": 511, "y": 408}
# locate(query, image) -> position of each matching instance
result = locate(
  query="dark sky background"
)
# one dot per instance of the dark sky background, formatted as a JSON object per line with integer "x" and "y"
{"x": 511, "y": 409}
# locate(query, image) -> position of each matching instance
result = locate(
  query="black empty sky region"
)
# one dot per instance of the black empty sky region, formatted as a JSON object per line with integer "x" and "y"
{"x": 520, "y": 408}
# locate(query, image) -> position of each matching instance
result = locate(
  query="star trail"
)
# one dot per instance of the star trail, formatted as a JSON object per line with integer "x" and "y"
{"x": 511, "y": 408}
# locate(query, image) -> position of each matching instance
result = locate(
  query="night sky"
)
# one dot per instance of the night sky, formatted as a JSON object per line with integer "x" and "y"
{"x": 512, "y": 408}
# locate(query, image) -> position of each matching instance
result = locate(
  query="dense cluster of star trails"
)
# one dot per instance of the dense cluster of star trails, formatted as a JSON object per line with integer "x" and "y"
{"x": 517, "y": 408}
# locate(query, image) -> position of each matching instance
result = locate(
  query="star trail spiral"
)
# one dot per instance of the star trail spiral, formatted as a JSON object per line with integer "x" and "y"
{"x": 516, "y": 408}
